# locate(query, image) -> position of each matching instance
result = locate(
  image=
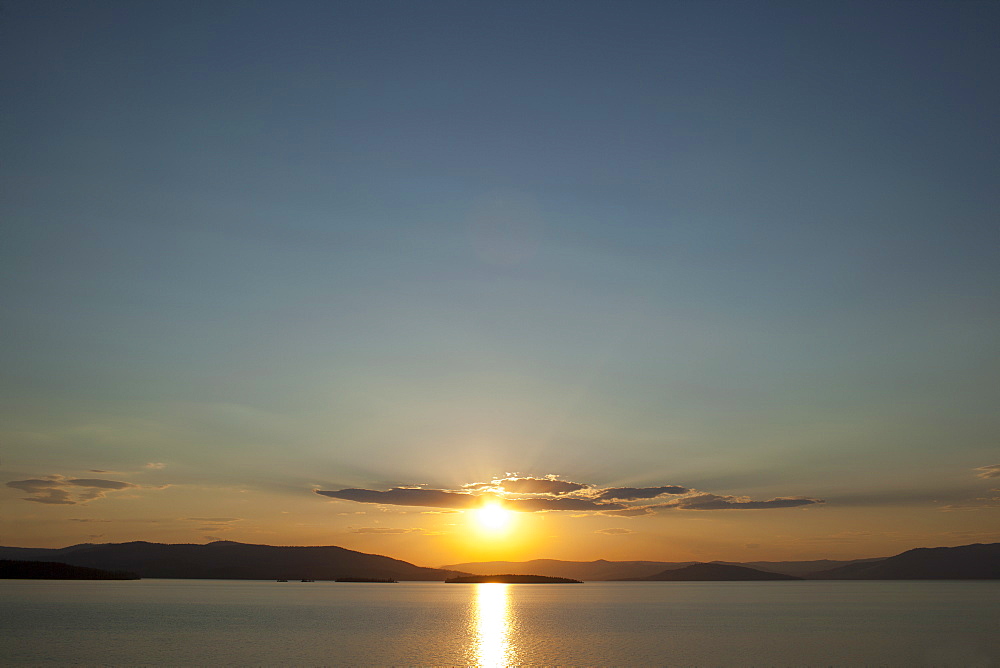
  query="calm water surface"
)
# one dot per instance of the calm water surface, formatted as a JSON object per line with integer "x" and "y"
{"x": 218, "y": 622}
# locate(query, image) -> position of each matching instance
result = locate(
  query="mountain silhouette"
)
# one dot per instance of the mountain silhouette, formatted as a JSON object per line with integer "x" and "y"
{"x": 702, "y": 571}
{"x": 967, "y": 562}
{"x": 798, "y": 568}
{"x": 230, "y": 560}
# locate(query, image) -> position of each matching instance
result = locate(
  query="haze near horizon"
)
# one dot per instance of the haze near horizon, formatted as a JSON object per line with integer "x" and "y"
{"x": 658, "y": 281}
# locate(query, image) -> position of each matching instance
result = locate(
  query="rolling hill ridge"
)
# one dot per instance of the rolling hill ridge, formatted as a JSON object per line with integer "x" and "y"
{"x": 230, "y": 560}
{"x": 713, "y": 572}
{"x": 966, "y": 562}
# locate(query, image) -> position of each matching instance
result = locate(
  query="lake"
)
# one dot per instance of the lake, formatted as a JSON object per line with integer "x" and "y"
{"x": 239, "y": 622}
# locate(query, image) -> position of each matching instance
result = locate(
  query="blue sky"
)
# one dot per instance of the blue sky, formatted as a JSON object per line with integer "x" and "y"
{"x": 749, "y": 248}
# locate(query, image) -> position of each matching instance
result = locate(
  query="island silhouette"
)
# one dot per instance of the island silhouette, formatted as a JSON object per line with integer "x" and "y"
{"x": 512, "y": 578}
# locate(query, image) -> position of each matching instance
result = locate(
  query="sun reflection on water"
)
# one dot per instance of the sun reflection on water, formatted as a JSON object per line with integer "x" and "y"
{"x": 493, "y": 625}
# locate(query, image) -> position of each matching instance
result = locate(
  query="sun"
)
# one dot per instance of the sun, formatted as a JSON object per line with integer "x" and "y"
{"x": 493, "y": 517}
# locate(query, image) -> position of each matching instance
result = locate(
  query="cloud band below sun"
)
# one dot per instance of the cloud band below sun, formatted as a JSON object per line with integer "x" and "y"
{"x": 529, "y": 494}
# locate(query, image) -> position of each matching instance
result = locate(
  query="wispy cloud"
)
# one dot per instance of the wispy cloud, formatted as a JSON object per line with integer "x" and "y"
{"x": 631, "y": 511}
{"x": 384, "y": 530}
{"x": 717, "y": 502}
{"x": 66, "y": 491}
{"x": 100, "y": 484}
{"x": 992, "y": 471}
{"x": 43, "y": 491}
{"x": 404, "y": 496}
{"x": 614, "y": 531}
{"x": 981, "y": 503}
{"x": 219, "y": 524}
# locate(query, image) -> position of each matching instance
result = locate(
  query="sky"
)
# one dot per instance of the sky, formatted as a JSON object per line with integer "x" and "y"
{"x": 667, "y": 280}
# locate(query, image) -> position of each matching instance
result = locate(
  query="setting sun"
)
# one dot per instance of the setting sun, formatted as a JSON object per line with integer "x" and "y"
{"x": 493, "y": 517}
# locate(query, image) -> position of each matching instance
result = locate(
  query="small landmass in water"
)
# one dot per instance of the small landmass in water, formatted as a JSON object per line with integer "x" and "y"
{"x": 511, "y": 578}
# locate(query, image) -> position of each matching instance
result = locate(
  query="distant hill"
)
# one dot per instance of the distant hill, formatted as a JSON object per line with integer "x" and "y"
{"x": 49, "y": 570}
{"x": 967, "y": 562}
{"x": 592, "y": 571}
{"x": 229, "y": 560}
{"x": 513, "y": 578}
{"x": 714, "y": 572}
{"x": 799, "y": 568}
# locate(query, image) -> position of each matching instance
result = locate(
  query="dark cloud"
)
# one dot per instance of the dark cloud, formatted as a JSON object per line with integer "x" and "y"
{"x": 530, "y": 494}
{"x": 633, "y": 493}
{"x": 44, "y": 491}
{"x": 539, "y": 486}
{"x": 992, "y": 471}
{"x": 213, "y": 519}
{"x": 34, "y": 485}
{"x": 439, "y": 498}
{"x": 99, "y": 484}
{"x": 57, "y": 490}
{"x": 399, "y": 496}
{"x": 560, "y": 503}
{"x": 614, "y": 531}
{"x": 716, "y": 502}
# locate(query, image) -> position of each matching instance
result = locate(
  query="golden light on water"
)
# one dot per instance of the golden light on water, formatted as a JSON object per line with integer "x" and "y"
{"x": 493, "y": 625}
